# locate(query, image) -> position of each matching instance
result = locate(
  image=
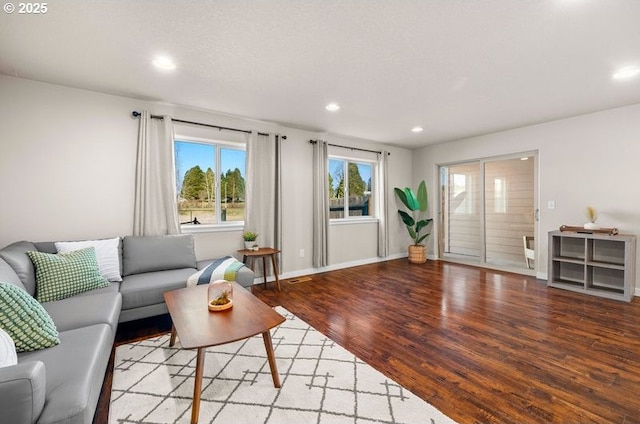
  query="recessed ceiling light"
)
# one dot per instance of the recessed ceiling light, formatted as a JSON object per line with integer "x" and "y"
{"x": 164, "y": 63}
{"x": 524, "y": 158}
{"x": 332, "y": 107}
{"x": 628, "y": 72}
{"x": 417, "y": 129}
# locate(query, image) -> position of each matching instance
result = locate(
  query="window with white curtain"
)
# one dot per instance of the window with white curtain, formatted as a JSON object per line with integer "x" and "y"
{"x": 210, "y": 182}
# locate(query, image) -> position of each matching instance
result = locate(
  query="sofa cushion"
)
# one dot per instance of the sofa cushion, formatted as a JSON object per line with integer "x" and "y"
{"x": 81, "y": 311}
{"x": 8, "y": 354}
{"x": 111, "y": 288}
{"x": 8, "y": 275}
{"x": 66, "y": 274}
{"x": 157, "y": 253}
{"x": 148, "y": 288}
{"x": 16, "y": 255}
{"x": 107, "y": 254}
{"x": 74, "y": 374}
{"x": 25, "y": 320}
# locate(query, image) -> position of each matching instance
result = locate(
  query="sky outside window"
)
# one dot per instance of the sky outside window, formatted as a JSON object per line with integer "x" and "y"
{"x": 190, "y": 154}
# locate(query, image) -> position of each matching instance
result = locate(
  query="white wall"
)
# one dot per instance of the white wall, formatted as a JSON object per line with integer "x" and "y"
{"x": 67, "y": 162}
{"x": 586, "y": 160}
{"x": 67, "y": 170}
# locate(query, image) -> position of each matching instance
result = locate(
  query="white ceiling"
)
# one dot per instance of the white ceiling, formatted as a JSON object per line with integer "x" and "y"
{"x": 458, "y": 68}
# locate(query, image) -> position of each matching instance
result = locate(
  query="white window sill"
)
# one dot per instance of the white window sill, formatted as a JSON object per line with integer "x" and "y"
{"x": 211, "y": 228}
{"x": 348, "y": 221}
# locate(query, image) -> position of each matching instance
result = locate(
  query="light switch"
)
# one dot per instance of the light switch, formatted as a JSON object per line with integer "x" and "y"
{"x": 551, "y": 204}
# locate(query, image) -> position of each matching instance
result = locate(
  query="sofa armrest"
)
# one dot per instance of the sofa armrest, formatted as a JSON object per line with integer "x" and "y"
{"x": 22, "y": 392}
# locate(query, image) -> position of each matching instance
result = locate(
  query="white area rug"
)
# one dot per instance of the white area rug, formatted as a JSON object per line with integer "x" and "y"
{"x": 321, "y": 383}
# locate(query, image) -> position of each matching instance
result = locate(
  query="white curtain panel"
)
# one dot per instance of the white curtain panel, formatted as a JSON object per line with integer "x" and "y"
{"x": 383, "y": 204}
{"x": 155, "y": 211}
{"x": 263, "y": 211}
{"x": 320, "y": 205}
{"x": 278, "y": 205}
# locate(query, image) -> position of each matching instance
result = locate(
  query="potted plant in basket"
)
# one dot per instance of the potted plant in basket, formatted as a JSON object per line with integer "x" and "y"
{"x": 250, "y": 242}
{"x": 417, "y": 204}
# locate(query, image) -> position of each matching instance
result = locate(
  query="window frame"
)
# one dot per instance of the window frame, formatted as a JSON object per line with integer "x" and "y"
{"x": 217, "y": 144}
{"x": 373, "y": 210}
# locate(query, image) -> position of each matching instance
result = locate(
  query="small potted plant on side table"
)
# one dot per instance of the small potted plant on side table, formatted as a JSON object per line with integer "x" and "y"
{"x": 250, "y": 242}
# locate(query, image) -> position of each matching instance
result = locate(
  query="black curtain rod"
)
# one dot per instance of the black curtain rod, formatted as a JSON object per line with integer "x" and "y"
{"x": 136, "y": 114}
{"x": 351, "y": 148}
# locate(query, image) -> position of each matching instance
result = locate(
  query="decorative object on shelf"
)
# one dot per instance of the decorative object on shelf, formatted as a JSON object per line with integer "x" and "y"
{"x": 220, "y": 295}
{"x": 250, "y": 242}
{"x": 417, "y": 204}
{"x": 592, "y": 215}
{"x": 576, "y": 229}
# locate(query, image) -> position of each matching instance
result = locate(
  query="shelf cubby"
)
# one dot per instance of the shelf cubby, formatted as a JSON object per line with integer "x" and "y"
{"x": 596, "y": 264}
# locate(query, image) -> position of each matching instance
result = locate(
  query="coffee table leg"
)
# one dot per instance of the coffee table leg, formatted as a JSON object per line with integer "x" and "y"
{"x": 172, "y": 340}
{"x": 197, "y": 386}
{"x": 275, "y": 270}
{"x": 266, "y": 336}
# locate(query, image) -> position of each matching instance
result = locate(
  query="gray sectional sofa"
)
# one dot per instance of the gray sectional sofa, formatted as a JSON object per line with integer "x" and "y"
{"x": 62, "y": 384}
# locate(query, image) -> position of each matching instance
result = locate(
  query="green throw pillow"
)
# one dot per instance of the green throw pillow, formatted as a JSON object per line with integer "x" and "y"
{"x": 66, "y": 274}
{"x": 25, "y": 320}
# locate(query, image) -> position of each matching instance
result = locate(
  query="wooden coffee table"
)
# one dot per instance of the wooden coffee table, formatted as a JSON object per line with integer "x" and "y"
{"x": 198, "y": 328}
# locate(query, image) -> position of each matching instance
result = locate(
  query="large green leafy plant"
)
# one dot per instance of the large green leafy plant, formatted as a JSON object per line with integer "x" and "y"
{"x": 417, "y": 204}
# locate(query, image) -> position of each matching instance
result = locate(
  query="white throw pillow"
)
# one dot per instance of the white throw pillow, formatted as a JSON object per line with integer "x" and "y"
{"x": 106, "y": 254}
{"x": 8, "y": 356}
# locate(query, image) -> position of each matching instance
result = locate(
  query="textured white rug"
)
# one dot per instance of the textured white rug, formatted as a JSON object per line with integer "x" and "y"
{"x": 321, "y": 383}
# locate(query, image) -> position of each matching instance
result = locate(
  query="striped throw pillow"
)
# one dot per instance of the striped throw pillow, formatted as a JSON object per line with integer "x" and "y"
{"x": 66, "y": 274}
{"x": 25, "y": 320}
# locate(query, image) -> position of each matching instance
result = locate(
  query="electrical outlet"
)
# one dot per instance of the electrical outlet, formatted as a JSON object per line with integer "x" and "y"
{"x": 301, "y": 253}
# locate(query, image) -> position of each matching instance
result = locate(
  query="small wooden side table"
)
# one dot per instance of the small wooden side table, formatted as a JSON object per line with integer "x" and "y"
{"x": 262, "y": 252}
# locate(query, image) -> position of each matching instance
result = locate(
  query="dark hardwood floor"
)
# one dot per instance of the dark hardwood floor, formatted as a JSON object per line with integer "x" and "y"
{"x": 482, "y": 346}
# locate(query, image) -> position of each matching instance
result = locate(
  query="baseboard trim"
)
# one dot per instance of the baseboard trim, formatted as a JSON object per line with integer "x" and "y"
{"x": 334, "y": 267}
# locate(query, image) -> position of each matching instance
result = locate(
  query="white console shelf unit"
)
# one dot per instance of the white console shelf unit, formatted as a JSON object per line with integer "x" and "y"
{"x": 595, "y": 264}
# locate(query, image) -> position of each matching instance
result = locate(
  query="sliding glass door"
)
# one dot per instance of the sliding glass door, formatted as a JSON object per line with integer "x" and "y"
{"x": 509, "y": 209}
{"x": 462, "y": 206}
{"x": 488, "y": 211}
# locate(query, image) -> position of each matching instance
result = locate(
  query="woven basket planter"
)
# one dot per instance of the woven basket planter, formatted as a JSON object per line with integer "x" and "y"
{"x": 417, "y": 254}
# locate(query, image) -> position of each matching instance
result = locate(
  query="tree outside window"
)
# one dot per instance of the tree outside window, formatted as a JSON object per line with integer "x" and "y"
{"x": 350, "y": 188}
{"x": 204, "y": 195}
